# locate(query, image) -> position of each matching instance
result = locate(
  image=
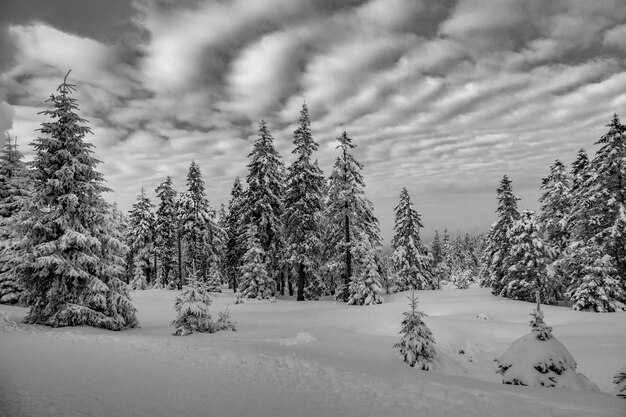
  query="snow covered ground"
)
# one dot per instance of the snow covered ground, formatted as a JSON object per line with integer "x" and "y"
{"x": 302, "y": 359}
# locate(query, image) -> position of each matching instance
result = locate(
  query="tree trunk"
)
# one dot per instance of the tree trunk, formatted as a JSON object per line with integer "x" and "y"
{"x": 282, "y": 282}
{"x": 301, "y": 281}
{"x": 180, "y": 261}
{"x": 346, "y": 281}
{"x": 290, "y": 285}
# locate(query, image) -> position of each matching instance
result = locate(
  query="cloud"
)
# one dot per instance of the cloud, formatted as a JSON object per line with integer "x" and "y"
{"x": 442, "y": 97}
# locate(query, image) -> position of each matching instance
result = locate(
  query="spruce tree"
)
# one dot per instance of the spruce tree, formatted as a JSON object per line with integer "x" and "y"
{"x": 303, "y": 206}
{"x": 364, "y": 289}
{"x": 74, "y": 255}
{"x": 166, "y": 230}
{"x": 607, "y": 190}
{"x": 255, "y": 281}
{"x": 417, "y": 345}
{"x": 141, "y": 240}
{"x": 266, "y": 173}
{"x": 349, "y": 212}
{"x": 410, "y": 258}
{"x": 192, "y": 308}
{"x": 555, "y": 207}
{"x": 525, "y": 270}
{"x": 497, "y": 242}
{"x": 435, "y": 249}
{"x": 235, "y": 232}
{"x": 14, "y": 193}
{"x": 198, "y": 227}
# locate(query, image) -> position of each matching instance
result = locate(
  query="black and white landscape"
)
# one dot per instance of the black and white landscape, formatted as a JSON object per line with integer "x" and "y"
{"x": 312, "y": 207}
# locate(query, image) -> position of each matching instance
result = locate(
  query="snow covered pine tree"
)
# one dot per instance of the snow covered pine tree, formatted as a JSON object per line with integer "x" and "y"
{"x": 74, "y": 254}
{"x": 14, "y": 194}
{"x": 409, "y": 256}
{"x": 417, "y": 345}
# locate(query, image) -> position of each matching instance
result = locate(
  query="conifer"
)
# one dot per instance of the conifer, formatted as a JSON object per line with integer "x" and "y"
{"x": 410, "y": 258}
{"x": 166, "y": 230}
{"x": 417, "y": 345}
{"x": 303, "y": 207}
{"x": 74, "y": 254}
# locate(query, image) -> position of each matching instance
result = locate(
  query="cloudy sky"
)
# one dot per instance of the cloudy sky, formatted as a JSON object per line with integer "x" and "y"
{"x": 443, "y": 97}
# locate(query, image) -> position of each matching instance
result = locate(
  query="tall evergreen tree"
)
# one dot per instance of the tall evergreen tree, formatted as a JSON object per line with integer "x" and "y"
{"x": 197, "y": 222}
{"x": 607, "y": 190}
{"x": 365, "y": 287}
{"x": 14, "y": 193}
{"x": 255, "y": 280}
{"x": 498, "y": 243}
{"x": 555, "y": 207}
{"x": 141, "y": 240}
{"x": 264, "y": 199}
{"x": 235, "y": 232}
{"x": 74, "y": 255}
{"x": 409, "y": 255}
{"x": 303, "y": 205}
{"x": 435, "y": 249}
{"x": 525, "y": 266}
{"x": 350, "y": 213}
{"x": 166, "y": 230}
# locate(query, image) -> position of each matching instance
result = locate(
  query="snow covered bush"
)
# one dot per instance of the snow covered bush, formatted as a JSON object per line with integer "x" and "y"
{"x": 620, "y": 383}
{"x": 538, "y": 359}
{"x": 417, "y": 345}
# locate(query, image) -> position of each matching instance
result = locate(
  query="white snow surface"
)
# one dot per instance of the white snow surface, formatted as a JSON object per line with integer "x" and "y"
{"x": 303, "y": 359}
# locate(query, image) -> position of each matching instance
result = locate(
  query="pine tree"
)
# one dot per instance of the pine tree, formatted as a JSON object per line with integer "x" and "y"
{"x": 192, "y": 308}
{"x": 435, "y": 249}
{"x": 597, "y": 225}
{"x": 255, "y": 281}
{"x": 303, "y": 206}
{"x": 497, "y": 242}
{"x": 555, "y": 207}
{"x": 350, "y": 213}
{"x": 166, "y": 230}
{"x": 235, "y": 232}
{"x": 141, "y": 240}
{"x": 264, "y": 199}
{"x": 214, "y": 279}
{"x": 596, "y": 286}
{"x": 417, "y": 345}
{"x": 198, "y": 227}
{"x": 74, "y": 254}
{"x": 364, "y": 289}
{"x": 409, "y": 256}
{"x": 539, "y": 359}
{"x": 525, "y": 267}
{"x": 14, "y": 194}
{"x": 620, "y": 383}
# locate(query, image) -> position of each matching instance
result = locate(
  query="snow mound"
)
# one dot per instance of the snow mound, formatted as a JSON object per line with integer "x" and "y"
{"x": 482, "y": 316}
{"x": 300, "y": 338}
{"x": 541, "y": 363}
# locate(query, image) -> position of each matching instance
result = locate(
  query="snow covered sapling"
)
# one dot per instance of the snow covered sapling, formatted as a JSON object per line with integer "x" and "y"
{"x": 417, "y": 345}
{"x": 539, "y": 359}
{"x": 192, "y": 307}
{"x": 620, "y": 383}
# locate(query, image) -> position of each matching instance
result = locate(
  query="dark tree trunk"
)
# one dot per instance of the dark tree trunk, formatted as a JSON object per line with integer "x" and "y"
{"x": 180, "y": 261}
{"x": 348, "y": 276}
{"x": 282, "y": 282}
{"x": 301, "y": 281}
{"x": 290, "y": 285}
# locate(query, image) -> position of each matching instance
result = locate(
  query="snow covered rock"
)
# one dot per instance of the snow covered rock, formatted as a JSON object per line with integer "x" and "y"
{"x": 482, "y": 316}
{"x": 539, "y": 359}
